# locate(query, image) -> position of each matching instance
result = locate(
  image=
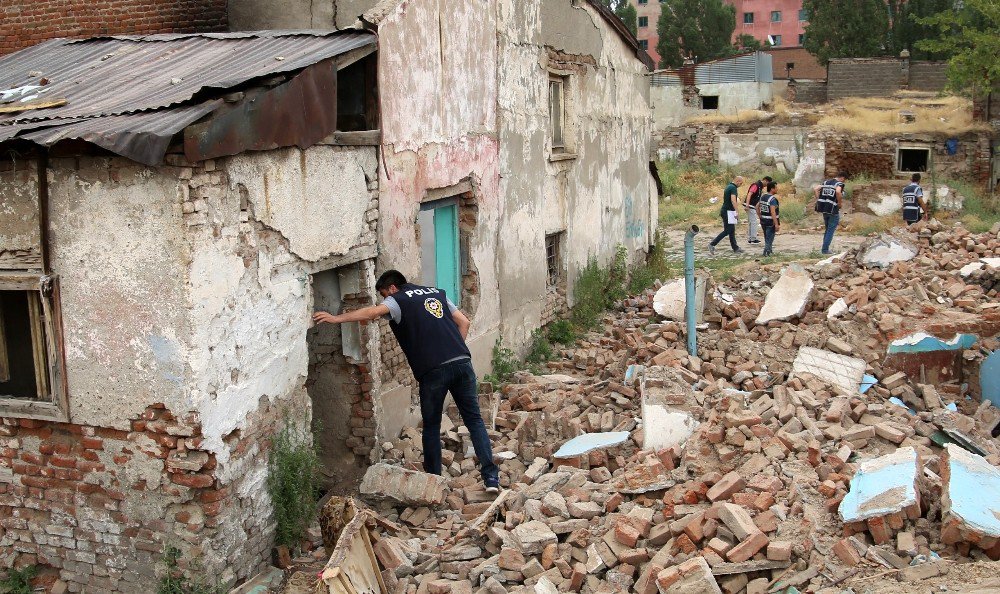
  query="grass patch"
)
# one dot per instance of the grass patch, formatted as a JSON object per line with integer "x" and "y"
{"x": 504, "y": 363}
{"x": 979, "y": 212}
{"x": 870, "y": 224}
{"x": 291, "y": 483}
{"x": 793, "y": 211}
{"x": 18, "y": 581}
{"x": 741, "y": 116}
{"x": 879, "y": 115}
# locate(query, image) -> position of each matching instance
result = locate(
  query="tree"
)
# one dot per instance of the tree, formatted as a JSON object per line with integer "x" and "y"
{"x": 971, "y": 35}
{"x": 624, "y": 10}
{"x": 908, "y": 29}
{"x": 746, "y": 43}
{"x": 846, "y": 28}
{"x": 695, "y": 29}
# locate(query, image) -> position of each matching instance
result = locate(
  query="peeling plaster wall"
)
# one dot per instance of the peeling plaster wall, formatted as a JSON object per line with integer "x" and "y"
{"x": 439, "y": 128}
{"x": 252, "y": 15}
{"x": 600, "y": 198}
{"x": 670, "y": 108}
{"x": 117, "y": 244}
{"x": 250, "y": 295}
{"x": 19, "y": 209}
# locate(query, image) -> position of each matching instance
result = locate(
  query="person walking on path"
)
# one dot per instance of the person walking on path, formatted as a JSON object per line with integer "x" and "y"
{"x": 770, "y": 221}
{"x": 431, "y": 330}
{"x": 728, "y": 214}
{"x": 754, "y": 193}
{"x": 914, "y": 206}
{"x": 829, "y": 199}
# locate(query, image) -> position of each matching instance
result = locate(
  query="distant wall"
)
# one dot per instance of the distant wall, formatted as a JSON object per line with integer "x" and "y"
{"x": 807, "y": 91}
{"x": 24, "y": 23}
{"x": 877, "y": 77}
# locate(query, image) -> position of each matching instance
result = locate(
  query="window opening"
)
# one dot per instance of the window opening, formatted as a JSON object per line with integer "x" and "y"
{"x": 557, "y": 112}
{"x": 552, "y": 258}
{"x": 710, "y": 102}
{"x": 913, "y": 159}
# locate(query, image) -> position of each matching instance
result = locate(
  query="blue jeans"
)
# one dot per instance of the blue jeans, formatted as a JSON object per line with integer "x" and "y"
{"x": 459, "y": 378}
{"x": 768, "y": 239}
{"x": 831, "y": 221}
{"x": 727, "y": 229}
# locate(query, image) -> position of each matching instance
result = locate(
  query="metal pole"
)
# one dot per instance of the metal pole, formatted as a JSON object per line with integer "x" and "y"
{"x": 689, "y": 284}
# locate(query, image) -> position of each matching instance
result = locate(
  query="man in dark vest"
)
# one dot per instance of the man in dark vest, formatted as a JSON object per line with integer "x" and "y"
{"x": 829, "y": 199}
{"x": 914, "y": 207}
{"x": 431, "y": 331}
{"x": 770, "y": 216}
{"x": 754, "y": 192}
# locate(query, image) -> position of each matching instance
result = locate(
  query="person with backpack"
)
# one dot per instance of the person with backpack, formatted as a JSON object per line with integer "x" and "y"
{"x": 914, "y": 206}
{"x": 754, "y": 193}
{"x": 768, "y": 209}
{"x": 829, "y": 199}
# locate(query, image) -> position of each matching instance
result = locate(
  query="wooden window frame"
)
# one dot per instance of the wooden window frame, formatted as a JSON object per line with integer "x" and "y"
{"x": 52, "y": 402}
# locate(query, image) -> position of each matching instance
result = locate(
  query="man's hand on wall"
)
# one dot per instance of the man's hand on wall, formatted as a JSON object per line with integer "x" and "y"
{"x": 322, "y": 317}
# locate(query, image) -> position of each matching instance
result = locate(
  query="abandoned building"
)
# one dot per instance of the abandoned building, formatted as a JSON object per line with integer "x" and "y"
{"x": 174, "y": 207}
{"x": 720, "y": 87}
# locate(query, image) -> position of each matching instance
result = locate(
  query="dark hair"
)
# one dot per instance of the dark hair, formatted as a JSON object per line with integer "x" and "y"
{"x": 771, "y": 185}
{"x": 768, "y": 179}
{"x": 915, "y": 177}
{"x": 390, "y": 278}
{"x": 842, "y": 174}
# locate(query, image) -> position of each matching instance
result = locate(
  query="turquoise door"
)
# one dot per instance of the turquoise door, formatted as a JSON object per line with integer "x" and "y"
{"x": 446, "y": 251}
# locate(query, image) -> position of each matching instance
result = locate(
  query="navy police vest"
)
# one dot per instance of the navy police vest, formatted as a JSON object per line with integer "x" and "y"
{"x": 427, "y": 333}
{"x": 827, "y": 202}
{"x": 766, "y": 202}
{"x": 911, "y": 208}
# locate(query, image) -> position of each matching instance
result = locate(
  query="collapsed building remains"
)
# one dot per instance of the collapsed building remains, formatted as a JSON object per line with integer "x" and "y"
{"x": 175, "y": 207}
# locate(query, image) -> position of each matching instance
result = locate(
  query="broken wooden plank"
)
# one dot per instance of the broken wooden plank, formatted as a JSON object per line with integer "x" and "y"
{"x": 30, "y": 105}
{"x": 748, "y": 567}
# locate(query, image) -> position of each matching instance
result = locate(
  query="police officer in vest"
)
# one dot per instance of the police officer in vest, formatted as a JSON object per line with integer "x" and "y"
{"x": 431, "y": 331}
{"x": 914, "y": 207}
{"x": 829, "y": 199}
{"x": 770, "y": 219}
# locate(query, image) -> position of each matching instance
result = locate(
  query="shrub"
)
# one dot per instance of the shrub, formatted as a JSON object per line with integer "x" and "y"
{"x": 18, "y": 581}
{"x": 291, "y": 483}
{"x": 504, "y": 364}
{"x": 561, "y": 332}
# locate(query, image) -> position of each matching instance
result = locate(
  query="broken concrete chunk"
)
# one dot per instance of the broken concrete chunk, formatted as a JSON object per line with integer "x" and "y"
{"x": 532, "y": 537}
{"x": 789, "y": 296}
{"x": 845, "y": 372}
{"x": 970, "y": 494}
{"x": 882, "y": 486}
{"x": 589, "y": 442}
{"x": 885, "y": 250}
{"x": 669, "y": 301}
{"x": 694, "y": 576}
{"x": 408, "y": 487}
{"x": 838, "y": 309}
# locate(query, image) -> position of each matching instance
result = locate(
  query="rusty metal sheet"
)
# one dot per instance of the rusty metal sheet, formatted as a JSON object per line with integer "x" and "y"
{"x": 300, "y": 113}
{"x": 114, "y": 76}
{"x": 142, "y": 137}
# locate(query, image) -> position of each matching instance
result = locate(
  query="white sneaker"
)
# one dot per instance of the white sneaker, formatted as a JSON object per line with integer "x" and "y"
{"x": 711, "y": 250}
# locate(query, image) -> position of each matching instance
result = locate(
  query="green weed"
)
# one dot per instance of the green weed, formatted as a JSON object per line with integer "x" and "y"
{"x": 979, "y": 212}
{"x": 561, "y": 332}
{"x": 175, "y": 582}
{"x": 504, "y": 363}
{"x": 292, "y": 484}
{"x": 590, "y": 292}
{"x": 18, "y": 581}
{"x": 539, "y": 352}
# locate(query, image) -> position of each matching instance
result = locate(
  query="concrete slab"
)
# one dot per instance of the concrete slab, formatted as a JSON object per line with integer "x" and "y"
{"x": 885, "y": 250}
{"x": 838, "y": 309}
{"x": 922, "y": 342}
{"x": 832, "y": 259}
{"x": 846, "y": 372}
{"x": 664, "y": 427}
{"x": 882, "y": 486}
{"x": 588, "y": 442}
{"x": 978, "y": 265}
{"x": 669, "y": 301}
{"x": 789, "y": 296}
{"x": 971, "y": 491}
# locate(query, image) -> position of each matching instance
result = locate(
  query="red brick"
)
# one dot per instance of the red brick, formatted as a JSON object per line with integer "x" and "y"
{"x": 846, "y": 552}
{"x": 195, "y": 481}
{"x": 62, "y": 462}
{"x": 724, "y": 489}
{"x": 748, "y": 548}
{"x": 92, "y": 443}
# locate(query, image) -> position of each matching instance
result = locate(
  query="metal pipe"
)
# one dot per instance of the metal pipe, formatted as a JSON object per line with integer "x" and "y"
{"x": 689, "y": 285}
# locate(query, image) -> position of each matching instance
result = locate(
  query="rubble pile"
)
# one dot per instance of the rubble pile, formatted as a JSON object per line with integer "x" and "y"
{"x": 789, "y": 455}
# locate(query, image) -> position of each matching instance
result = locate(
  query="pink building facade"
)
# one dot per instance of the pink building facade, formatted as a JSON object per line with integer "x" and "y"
{"x": 784, "y": 20}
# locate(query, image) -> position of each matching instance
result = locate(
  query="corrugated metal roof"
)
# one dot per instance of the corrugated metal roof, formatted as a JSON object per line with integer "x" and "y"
{"x": 116, "y": 76}
{"x": 755, "y": 67}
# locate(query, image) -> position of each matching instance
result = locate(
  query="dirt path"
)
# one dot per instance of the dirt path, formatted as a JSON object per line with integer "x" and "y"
{"x": 798, "y": 242}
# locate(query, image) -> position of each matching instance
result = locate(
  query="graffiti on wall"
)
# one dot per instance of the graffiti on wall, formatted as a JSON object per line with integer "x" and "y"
{"x": 635, "y": 226}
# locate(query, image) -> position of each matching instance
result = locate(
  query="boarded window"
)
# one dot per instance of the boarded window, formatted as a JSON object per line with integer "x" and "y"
{"x": 557, "y": 112}
{"x": 31, "y": 374}
{"x": 553, "y": 258}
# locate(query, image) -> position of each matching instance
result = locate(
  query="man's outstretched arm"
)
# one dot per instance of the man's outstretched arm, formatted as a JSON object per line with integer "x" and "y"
{"x": 462, "y": 322}
{"x": 365, "y": 314}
